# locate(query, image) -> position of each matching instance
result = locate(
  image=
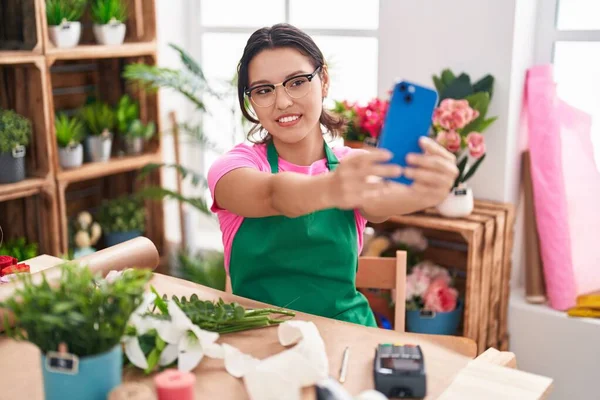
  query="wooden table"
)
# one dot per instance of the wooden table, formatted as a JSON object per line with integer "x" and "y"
{"x": 445, "y": 356}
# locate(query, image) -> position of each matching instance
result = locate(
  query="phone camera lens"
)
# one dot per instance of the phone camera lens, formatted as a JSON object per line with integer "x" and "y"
{"x": 403, "y": 87}
{"x": 408, "y": 98}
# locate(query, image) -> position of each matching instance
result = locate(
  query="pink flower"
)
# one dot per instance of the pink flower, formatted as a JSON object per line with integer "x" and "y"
{"x": 432, "y": 271}
{"x": 439, "y": 297}
{"x": 476, "y": 144}
{"x": 450, "y": 140}
{"x": 416, "y": 285}
{"x": 454, "y": 114}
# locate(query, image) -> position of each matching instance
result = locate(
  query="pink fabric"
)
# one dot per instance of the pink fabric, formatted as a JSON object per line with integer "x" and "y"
{"x": 549, "y": 192}
{"x": 255, "y": 156}
{"x": 582, "y": 182}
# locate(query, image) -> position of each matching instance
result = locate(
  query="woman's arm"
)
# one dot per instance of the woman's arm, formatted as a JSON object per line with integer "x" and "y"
{"x": 251, "y": 193}
{"x": 433, "y": 174}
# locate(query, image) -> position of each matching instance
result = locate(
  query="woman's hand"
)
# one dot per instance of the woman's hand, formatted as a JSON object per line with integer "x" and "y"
{"x": 433, "y": 172}
{"x": 357, "y": 179}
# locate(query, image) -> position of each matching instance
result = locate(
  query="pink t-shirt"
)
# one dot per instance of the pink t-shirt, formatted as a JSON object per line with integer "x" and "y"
{"x": 255, "y": 156}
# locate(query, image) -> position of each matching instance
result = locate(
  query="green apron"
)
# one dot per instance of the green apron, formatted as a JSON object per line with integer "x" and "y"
{"x": 307, "y": 263}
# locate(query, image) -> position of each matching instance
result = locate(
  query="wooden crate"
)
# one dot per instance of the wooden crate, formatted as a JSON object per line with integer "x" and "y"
{"x": 141, "y": 28}
{"x": 88, "y": 194}
{"x": 73, "y": 82}
{"x": 479, "y": 248}
{"x": 20, "y": 27}
{"x": 31, "y": 212}
{"x": 24, "y": 89}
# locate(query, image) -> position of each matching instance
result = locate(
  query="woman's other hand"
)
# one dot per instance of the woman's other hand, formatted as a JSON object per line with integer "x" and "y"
{"x": 433, "y": 172}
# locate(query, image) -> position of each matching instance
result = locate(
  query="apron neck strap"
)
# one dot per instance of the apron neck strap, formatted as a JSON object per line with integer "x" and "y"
{"x": 273, "y": 157}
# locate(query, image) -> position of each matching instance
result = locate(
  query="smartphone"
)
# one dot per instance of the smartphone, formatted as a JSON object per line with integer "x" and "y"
{"x": 408, "y": 118}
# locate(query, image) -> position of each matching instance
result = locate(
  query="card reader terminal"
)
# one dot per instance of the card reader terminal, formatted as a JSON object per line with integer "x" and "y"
{"x": 399, "y": 371}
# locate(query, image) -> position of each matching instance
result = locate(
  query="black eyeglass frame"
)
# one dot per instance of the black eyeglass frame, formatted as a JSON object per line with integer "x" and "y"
{"x": 274, "y": 86}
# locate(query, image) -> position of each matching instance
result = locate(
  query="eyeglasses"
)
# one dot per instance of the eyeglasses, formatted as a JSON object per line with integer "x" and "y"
{"x": 298, "y": 86}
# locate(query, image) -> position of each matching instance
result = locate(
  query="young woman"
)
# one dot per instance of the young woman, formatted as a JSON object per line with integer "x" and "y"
{"x": 291, "y": 209}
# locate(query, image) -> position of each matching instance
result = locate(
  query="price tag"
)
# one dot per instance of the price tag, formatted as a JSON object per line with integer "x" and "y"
{"x": 63, "y": 363}
{"x": 460, "y": 192}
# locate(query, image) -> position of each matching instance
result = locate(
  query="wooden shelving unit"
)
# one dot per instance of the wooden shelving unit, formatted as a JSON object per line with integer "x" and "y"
{"x": 38, "y": 80}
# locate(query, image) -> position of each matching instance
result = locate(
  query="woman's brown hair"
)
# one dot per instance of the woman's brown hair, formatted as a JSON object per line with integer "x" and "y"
{"x": 280, "y": 36}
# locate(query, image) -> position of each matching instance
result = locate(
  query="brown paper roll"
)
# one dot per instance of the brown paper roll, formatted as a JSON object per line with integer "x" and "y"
{"x": 132, "y": 391}
{"x": 136, "y": 253}
{"x": 535, "y": 290}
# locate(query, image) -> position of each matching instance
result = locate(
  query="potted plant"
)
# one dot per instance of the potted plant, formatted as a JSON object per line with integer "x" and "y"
{"x": 133, "y": 131}
{"x": 99, "y": 119}
{"x": 77, "y": 324}
{"x": 86, "y": 234}
{"x": 458, "y": 123}
{"x": 364, "y": 122}
{"x": 432, "y": 303}
{"x": 69, "y": 134}
{"x": 122, "y": 219}
{"x": 15, "y": 133}
{"x": 64, "y": 26}
{"x": 109, "y": 17}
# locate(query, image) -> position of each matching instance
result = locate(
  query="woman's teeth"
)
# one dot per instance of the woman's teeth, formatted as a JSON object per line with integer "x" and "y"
{"x": 288, "y": 119}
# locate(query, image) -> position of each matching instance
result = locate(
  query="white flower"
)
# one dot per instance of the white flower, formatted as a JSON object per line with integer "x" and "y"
{"x": 412, "y": 237}
{"x": 85, "y": 219}
{"x": 142, "y": 325}
{"x": 186, "y": 342}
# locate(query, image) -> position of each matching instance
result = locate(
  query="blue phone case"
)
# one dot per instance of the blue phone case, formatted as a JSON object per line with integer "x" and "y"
{"x": 408, "y": 118}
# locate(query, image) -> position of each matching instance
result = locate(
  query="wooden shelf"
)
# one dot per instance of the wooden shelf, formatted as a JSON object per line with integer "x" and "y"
{"x": 93, "y": 51}
{"x": 114, "y": 166}
{"x": 20, "y": 57}
{"x": 9, "y": 191}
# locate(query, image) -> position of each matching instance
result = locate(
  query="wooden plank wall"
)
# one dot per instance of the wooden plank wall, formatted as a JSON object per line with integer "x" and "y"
{"x": 18, "y": 29}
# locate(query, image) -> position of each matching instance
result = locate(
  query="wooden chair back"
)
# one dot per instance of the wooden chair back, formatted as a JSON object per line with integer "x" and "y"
{"x": 386, "y": 273}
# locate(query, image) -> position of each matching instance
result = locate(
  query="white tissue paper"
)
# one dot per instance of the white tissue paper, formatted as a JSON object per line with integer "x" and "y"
{"x": 282, "y": 375}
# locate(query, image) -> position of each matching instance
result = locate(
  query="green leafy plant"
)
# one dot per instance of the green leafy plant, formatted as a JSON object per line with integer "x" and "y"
{"x": 108, "y": 11}
{"x": 60, "y": 11}
{"x": 86, "y": 313}
{"x": 15, "y": 130}
{"x": 138, "y": 129}
{"x": 127, "y": 111}
{"x": 69, "y": 131}
{"x": 124, "y": 214}
{"x": 19, "y": 248}
{"x": 206, "y": 268}
{"x": 98, "y": 118}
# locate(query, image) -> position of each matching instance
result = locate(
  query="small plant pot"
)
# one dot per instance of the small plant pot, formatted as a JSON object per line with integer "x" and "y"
{"x": 65, "y": 35}
{"x": 112, "y": 34}
{"x": 71, "y": 157}
{"x": 99, "y": 148}
{"x": 12, "y": 165}
{"x": 95, "y": 377}
{"x": 134, "y": 145}
{"x": 114, "y": 238}
{"x": 458, "y": 204}
{"x": 436, "y": 323}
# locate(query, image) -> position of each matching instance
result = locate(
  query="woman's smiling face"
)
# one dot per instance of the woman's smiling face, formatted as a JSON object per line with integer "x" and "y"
{"x": 288, "y": 119}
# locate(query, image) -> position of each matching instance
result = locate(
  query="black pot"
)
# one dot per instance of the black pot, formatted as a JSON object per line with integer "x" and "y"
{"x": 12, "y": 166}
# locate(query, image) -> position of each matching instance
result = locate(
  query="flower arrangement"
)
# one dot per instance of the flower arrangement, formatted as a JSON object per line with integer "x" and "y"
{"x": 460, "y": 119}
{"x": 364, "y": 121}
{"x": 429, "y": 287}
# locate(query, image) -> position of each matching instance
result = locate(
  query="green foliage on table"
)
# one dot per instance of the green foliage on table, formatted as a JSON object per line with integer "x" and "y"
{"x": 207, "y": 268}
{"x": 89, "y": 315}
{"x": 98, "y": 117}
{"x": 124, "y": 214}
{"x": 15, "y": 130}
{"x": 19, "y": 248}
{"x": 59, "y": 11}
{"x": 108, "y": 11}
{"x": 69, "y": 131}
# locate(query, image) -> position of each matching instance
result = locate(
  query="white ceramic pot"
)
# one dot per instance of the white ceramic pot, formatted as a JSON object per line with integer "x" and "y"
{"x": 99, "y": 147}
{"x": 459, "y": 203}
{"x": 111, "y": 34}
{"x": 65, "y": 35}
{"x": 71, "y": 157}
